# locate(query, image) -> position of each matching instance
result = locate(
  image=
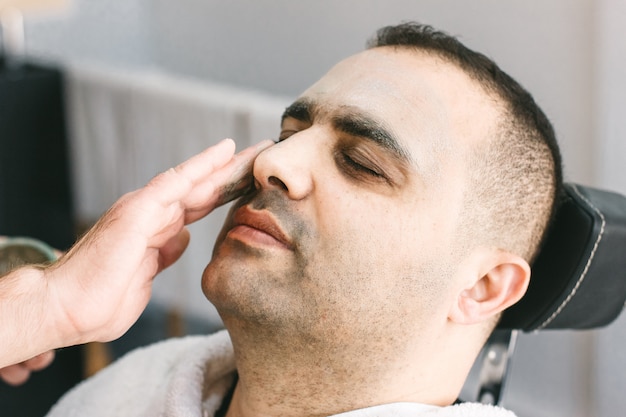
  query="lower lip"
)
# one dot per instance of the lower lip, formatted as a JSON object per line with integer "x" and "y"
{"x": 254, "y": 237}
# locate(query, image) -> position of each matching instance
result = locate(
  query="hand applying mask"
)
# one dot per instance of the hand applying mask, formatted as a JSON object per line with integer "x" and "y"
{"x": 97, "y": 290}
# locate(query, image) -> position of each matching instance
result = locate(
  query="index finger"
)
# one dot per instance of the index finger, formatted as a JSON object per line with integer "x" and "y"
{"x": 223, "y": 185}
{"x": 175, "y": 183}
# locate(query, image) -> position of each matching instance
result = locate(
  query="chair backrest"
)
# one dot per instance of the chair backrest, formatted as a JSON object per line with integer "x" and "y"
{"x": 582, "y": 261}
{"x": 578, "y": 282}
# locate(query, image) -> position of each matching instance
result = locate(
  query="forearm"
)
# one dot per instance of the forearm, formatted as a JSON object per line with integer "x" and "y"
{"x": 28, "y": 316}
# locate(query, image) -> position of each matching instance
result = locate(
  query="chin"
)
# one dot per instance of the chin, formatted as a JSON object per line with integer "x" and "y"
{"x": 212, "y": 282}
{"x": 227, "y": 270}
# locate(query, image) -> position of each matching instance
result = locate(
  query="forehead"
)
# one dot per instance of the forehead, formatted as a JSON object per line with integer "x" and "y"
{"x": 433, "y": 107}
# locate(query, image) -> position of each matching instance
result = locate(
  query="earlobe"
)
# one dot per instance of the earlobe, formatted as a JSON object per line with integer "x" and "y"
{"x": 501, "y": 282}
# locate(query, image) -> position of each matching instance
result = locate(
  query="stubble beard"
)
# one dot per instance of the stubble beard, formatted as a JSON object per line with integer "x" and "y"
{"x": 256, "y": 289}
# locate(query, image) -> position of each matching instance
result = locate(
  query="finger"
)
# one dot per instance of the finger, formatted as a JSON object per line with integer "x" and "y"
{"x": 14, "y": 374}
{"x": 224, "y": 185}
{"x": 40, "y": 361}
{"x": 172, "y": 185}
{"x": 157, "y": 208}
{"x": 207, "y": 161}
{"x": 234, "y": 178}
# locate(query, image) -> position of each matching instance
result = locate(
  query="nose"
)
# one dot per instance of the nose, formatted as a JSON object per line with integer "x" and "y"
{"x": 287, "y": 166}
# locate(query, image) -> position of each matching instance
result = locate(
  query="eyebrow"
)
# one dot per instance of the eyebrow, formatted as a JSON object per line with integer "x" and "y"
{"x": 301, "y": 110}
{"x": 352, "y": 121}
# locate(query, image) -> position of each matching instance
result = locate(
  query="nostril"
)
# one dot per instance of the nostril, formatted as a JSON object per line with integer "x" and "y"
{"x": 275, "y": 181}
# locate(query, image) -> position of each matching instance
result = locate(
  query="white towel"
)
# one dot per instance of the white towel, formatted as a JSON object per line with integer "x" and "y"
{"x": 179, "y": 377}
{"x": 422, "y": 410}
{"x": 189, "y": 377}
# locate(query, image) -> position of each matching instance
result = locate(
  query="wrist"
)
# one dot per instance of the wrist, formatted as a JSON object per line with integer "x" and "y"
{"x": 27, "y": 329}
{"x": 28, "y": 321}
{"x": 65, "y": 327}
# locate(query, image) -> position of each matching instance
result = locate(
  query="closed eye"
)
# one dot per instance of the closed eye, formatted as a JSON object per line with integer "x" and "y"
{"x": 361, "y": 168}
{"x": 348, "y": 161}
{"x": 285, "y": 134}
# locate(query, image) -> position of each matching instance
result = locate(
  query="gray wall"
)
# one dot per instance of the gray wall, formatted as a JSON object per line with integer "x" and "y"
{"x": 569, "y": 53}
{"x": 281, "y": 46}
{"x": 114, "y": 31}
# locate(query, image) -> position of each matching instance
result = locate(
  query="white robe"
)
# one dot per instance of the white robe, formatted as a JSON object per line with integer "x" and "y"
{"x": 189, "y": 377}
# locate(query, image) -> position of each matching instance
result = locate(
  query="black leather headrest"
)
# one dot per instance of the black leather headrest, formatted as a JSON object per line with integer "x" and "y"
{"x": 578, "y": 279}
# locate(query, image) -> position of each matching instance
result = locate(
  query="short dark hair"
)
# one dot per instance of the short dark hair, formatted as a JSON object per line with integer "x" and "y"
{"x": 517, "y": 176}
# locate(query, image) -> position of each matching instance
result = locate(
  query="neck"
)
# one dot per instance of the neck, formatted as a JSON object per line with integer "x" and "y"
{"x": 280, "y": 375}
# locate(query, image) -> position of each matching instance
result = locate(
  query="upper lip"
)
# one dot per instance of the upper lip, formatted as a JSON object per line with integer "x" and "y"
{"x": 263, "y": 221}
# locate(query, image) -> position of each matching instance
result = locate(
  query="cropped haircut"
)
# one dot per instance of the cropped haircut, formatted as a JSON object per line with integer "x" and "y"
{"x": 515, "y": 178}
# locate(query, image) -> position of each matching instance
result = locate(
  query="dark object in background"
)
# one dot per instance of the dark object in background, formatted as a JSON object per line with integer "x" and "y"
{"x": 43, "y": 388}
{"x": 579, "y": 276}
{"x": 35, "y": 196}
{"x": 35, "y": 201}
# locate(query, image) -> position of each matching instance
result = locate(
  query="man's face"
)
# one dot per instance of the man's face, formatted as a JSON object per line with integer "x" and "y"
{"x": 352, "y": 231}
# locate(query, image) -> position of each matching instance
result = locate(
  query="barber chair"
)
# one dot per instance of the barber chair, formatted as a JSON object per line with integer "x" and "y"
{"x": 578, "y": 282}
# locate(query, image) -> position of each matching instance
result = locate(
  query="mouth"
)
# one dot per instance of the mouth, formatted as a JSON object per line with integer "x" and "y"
{"x": 258, "y": 228}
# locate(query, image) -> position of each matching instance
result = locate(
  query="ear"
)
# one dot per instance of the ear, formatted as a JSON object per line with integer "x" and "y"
{"x": 500, "y": 279}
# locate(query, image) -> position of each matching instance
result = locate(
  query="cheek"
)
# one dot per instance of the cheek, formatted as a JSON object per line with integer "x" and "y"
{"x": 373, "y": 227}
{"x": 384, "y": 245}
{"x": 369, "y": 238}
{"x": 373, "y": 274}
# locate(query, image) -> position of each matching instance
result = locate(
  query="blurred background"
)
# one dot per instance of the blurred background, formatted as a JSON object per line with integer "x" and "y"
{"x": 137, "y": 86}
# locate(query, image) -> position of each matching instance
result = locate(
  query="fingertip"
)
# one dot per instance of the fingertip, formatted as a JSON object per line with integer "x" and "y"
{"x": 228, "y": 142}
{"x": 40, "y": 361}
{"x": 15, "y": 374}
{"x": 218, "y": 154}
{"x": 264, "y": 144}
{"x": 254, "y": 150}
